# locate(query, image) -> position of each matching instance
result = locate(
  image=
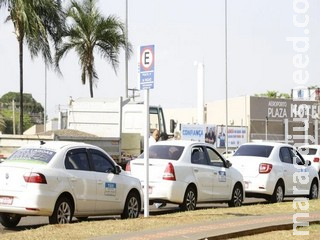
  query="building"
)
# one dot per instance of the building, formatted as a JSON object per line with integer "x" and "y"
{"x": 272, "y": 119}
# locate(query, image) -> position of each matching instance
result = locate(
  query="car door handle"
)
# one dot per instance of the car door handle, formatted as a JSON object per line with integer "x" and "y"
{"x": 285, "y": 170}
{"x": 195, "y": 170}
{"x": 73, "y": 179}
{"x": 215, "y": 173}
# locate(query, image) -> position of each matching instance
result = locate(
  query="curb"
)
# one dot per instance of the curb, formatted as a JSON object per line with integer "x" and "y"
{"x": 220, "y": 229}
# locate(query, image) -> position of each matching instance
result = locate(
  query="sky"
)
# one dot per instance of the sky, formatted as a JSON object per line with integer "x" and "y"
{"x": 272, "y": 45}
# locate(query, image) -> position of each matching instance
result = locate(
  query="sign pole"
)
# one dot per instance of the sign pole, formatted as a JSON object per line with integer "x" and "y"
{"x": 146, "y": 155}
{"x": 146, "y": 73}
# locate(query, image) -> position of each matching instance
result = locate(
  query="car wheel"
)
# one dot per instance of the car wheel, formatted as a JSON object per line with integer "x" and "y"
{"x": 132, "y": 206}
{"x": 190, "y": 200}
{"x": 278, "y": 194}
{"x": 63, "y": 212}
{"x": 9, "y": 220}
{"x": 314, "y": 190}
{"x": 237, "y": 196}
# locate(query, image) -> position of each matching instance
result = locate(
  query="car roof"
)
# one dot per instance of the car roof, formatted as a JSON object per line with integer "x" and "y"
{"x": 274, "y": 144}
{"x": 183, "y": 143}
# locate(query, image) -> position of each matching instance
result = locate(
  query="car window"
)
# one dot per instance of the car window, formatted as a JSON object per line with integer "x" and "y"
{"x": 77, "y": 159}
{"x": 32, "y": 154}
{"x": 285, "y": 155}
{"x": 254, "y": 151}
{"x": 297, "y": 158}
{"x": 101, "y": 162}
{"x": 198, "y": 156}
{"x": 169, "y": 152}
{"x": 308, "y": 151}
{"x": 215, "y": 159}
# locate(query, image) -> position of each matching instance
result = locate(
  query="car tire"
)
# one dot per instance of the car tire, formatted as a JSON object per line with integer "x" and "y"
{"x": 132, "y": 206}
{"x": 189, "y": 200}
{"x": 278, "y": 194}
{"x": 63, "y": 212}
{"x": 9, "y": 220}
{"x": 314, "y": 190}
{"x": 237, "y": 196}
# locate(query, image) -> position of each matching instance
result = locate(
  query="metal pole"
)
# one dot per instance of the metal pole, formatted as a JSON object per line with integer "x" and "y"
{"x": 146, "y": 155}
{"x": 126, "y": 52}
{"x": 226, "y": 74}
{"x": 45, "y": 99}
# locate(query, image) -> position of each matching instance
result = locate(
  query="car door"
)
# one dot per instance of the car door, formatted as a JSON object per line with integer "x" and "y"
{"x": 287, "y": 157}
{"x": 109, "y": 185}
{"x": 222, "y": 179}
{"x": 203, "y": 173}
{"x": 81, "y": 180}
{"x": 301, "y": 181}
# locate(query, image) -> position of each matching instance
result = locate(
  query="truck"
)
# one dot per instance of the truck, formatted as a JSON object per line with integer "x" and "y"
{"x": 119, "y": 122}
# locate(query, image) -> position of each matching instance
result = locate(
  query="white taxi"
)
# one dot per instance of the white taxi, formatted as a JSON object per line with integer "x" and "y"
{"x": 275, "y": 170}
{"x": 187, "y": 173}
{"x": 63, "y": 180}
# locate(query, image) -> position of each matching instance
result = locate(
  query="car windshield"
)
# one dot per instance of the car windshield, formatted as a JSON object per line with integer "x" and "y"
{"x": 164, "y": 152}
{"x": 307, "y": 151}
{"x": 32, "y": 154}
{"x": 254, "y": 151}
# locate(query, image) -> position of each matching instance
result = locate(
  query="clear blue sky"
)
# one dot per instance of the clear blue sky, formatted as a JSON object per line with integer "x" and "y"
{"x": 185, "y": 31}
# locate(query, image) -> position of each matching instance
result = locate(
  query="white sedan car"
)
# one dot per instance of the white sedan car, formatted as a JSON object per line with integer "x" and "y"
{"x": 275, "y": 170}
{"x": 187, "y": 173}
{"x": 311, "y": 153}
{"x": 65, "y": 179}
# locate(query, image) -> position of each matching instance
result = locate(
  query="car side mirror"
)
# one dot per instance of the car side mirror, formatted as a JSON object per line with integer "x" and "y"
{"x": 228, "y": 164}
{"x": 117, "y": 169}
{"x": 308, "y": 163}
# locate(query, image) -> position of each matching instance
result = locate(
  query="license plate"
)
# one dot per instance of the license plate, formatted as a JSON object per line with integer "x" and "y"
{"x": 6, "y": 200}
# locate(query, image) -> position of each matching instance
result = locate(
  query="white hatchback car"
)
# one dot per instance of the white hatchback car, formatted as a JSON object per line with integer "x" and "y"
{"x": 187, "y": 173}
{"x": 275, "y": 170}
{"x": 311, "y": 153}
{"x": 65, "y": 179}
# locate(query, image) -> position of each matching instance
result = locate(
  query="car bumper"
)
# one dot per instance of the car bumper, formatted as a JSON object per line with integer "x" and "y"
{"x": 168, "y": 191}
{"x": 28, "y": 204}
{"x": 262, "y": 184}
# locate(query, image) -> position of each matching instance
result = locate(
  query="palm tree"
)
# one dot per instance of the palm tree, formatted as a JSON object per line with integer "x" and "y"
{"x": 34, "y": 22}
{"x": 88, "y": 33}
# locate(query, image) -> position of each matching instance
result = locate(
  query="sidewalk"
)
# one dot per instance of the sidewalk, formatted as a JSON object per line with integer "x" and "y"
{"x": 219, "y": 229}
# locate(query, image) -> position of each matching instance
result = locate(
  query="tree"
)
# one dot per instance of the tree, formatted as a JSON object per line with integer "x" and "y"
{"x": 33, "y": 111}
{"x": 273, "y": 94}
{"x": 34, "y": 22}
{"x": 90, "y": 32}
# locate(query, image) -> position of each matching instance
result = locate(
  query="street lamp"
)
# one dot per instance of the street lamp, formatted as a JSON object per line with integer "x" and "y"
{"x": 226, "y": 68}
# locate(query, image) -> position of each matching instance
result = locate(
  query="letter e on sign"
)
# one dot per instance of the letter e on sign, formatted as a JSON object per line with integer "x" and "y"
{"x": 147, "y": 58}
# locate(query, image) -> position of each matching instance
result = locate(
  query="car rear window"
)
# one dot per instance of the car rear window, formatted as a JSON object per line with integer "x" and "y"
{"x": 32, "y": 154}
{"x": 308, "y": 151}
{"x": 168, "y": 152}
{"x": 254, "y": 151}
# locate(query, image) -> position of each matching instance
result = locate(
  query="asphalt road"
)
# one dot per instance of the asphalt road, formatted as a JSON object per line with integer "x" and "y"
{"x": 36, "y": 222}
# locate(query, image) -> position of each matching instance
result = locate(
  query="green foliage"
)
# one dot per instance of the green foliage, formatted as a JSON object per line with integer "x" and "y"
{"x": 88, "y": 33}
{"x": 273, "y": 94}
{"x": 33, "y": 112}
{"x": 29, "y": 103}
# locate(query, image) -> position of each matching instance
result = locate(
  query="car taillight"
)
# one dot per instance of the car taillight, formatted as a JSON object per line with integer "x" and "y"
{"x": 35, "y": 178}
{"x": 265, "y": 168}
{"x": 169, "y": 173}
{"x": 316, "y": 159}
{"x": 128, "y": 167}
